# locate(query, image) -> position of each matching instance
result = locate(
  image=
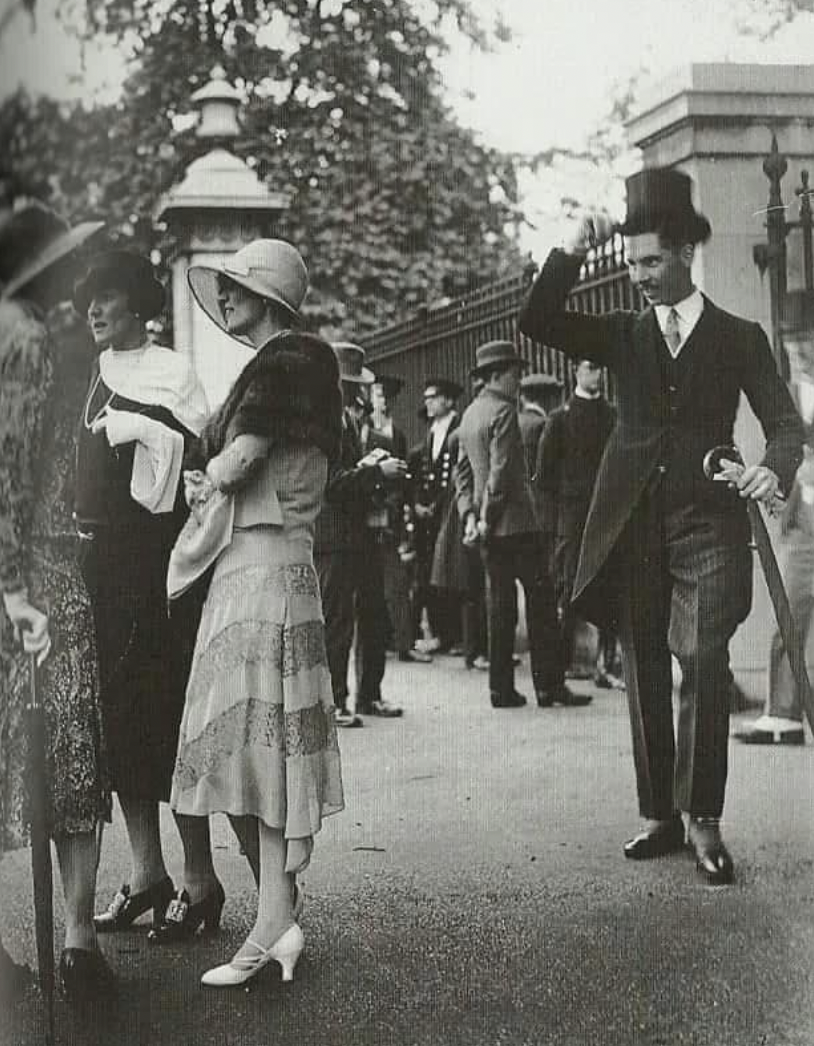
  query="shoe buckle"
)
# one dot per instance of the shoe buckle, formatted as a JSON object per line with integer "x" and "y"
{"x": 176, "y": 910}
{"x": 119, "y": 901}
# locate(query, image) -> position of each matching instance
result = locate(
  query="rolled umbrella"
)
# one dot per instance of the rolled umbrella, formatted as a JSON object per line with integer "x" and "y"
{"x": 42, "y": 872}
{"x": 794, "y": 642}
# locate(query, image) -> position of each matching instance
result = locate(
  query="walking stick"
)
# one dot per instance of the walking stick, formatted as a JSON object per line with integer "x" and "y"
{"x": 41, "y": 869}
{"x": 794, "y": 642}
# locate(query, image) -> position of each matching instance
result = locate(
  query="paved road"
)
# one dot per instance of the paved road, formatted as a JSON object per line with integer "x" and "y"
{"x": 474, "y": 893}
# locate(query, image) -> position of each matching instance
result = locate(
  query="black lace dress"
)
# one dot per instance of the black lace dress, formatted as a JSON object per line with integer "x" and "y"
{"x": 42, "y": 385}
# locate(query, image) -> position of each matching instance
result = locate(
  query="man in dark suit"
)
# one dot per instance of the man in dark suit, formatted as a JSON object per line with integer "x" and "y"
{"x": 568, "y": 457}
{"x": 339, "y": 538}
{"x": 431, "y": 467}
{"x": 665, "y": 551}
{"x": 494, "y": 503}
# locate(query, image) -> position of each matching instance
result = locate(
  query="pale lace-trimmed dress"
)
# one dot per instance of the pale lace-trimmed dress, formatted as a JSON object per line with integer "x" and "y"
{"x": 258, "y": 735}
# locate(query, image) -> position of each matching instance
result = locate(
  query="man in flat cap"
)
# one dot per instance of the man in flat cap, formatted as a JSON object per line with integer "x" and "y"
{"x": 665, "y": 552}
{"x": 569, "y": 453}
{"x": 539, "y": 394}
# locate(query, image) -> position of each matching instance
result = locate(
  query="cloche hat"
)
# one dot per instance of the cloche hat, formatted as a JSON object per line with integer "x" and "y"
{"x": 273, "y": 269}
{"x": 126, "y": 271}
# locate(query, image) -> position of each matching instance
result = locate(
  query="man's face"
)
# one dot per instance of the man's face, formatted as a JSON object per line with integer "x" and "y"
{"x": 661, "y": 272}
{"x": 589, "y": 377}
{"x": 110, "y": 318}
{"x": 378, "y": 398}
{"x": 437, "y": 404}
{"x": 242, "y": 311}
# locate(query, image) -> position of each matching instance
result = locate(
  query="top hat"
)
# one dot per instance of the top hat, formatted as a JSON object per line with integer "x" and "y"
{"x": 125, "y": 271}
{"x": 33, "y": 239}
{"x": 351, "y": 359}
{"x": 660, "y": 199}
{"x": 391, "y": 386}
{"x": 496, "y": 354}
{"x": 445, "y": 386}
{"x": 273, "y": 269}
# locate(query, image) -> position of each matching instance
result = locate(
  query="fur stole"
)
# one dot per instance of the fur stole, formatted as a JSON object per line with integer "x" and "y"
{"x": 289, "y": 392}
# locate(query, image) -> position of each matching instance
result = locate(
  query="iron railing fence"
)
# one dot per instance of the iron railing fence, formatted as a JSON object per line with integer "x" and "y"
{"x": 440, "y": 341}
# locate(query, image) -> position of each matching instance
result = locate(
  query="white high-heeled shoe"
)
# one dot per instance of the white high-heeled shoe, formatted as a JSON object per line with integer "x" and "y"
{"x": 286, "y": 950}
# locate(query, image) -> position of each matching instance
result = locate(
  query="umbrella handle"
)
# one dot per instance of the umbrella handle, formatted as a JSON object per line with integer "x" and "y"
{"x": 34, "y": 701}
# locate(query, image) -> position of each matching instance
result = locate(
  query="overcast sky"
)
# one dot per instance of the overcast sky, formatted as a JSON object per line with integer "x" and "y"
{"x": 550, "y": 85}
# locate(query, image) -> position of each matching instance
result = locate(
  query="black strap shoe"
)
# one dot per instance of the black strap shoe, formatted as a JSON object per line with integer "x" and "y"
{"x": 84, "y": 976}
{"x": 183, "y": 919}
{"x": 126, "y": 907}
{"x": 665, "y": 838}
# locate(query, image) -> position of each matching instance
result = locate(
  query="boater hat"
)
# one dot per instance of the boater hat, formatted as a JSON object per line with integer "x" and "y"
{"x": 125, "y": 271}
{"x": 272, "y": 269}
{"x": 351, "y": 359}
{"x": 34, "y": 239}
{"x": 660, "y": 199}
{"x": 496, "y": 354}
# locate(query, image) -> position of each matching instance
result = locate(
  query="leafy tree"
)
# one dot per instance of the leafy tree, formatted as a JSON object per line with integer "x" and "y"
{"x": 393, "y": 201}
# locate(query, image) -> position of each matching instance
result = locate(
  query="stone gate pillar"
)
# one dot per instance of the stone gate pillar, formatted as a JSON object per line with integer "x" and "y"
{"x": 219, "y": 205}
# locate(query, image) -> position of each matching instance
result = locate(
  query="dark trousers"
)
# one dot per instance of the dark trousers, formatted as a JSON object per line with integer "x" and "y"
{"x": 519, "y": 557}
{"x": 686, "y": 588}
{"x": 338, "y": 573}
{"x": 371, "y": 620}
{"x": 474, "y": 625}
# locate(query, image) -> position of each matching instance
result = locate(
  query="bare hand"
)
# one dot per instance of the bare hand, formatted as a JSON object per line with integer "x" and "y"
{"x": 591, "y": 230}
{"x": 393, "y": 468}
{"x": 30, "y": 624}
{"x": 423, "y": 511}
{"x": 758, "y": 483}
{"x": 470, "y": 531}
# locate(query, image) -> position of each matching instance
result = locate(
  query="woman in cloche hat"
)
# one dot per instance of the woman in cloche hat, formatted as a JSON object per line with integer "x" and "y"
{"x": 43, "y": 370}
{"x": 258, "y": 736}
{"x": 143, "y": 406}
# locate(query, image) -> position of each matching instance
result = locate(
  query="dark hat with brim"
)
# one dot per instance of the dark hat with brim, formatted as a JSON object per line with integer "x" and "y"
{"x": 33, "y": 241}
{"x": 125, "y": 271}
{"x": 445, "y": 386}
{"x": 659, "y": 199}
{"x": 495, "y": 355}
{"x": 351, "y": 359}
{"x": 391, "y": 386}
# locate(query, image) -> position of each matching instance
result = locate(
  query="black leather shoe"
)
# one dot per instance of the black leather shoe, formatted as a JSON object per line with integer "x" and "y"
{"x": 711, "y": 856}
{"x": 667, "y": 838}
{"x": 126, "y": 907}
{"x": 84, "y": 975}
{"x": 182, "y": 919}
{"x": 380, "y": 708}
{"x": 510, "y": 700}
{"x": 561, "y": 695}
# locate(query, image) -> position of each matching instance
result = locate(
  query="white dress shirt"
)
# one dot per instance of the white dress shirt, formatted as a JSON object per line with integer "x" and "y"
{"x": 439, "y": 429}
{"x": 688, "y": 310}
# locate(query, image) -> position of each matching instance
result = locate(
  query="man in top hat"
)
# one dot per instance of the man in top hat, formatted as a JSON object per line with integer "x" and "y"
{"x": 537, "y": 398}
{"x": 666, "y": 552}
{"x": 340, "y": 546}
{"x": 431, "y": 466}
{"x": 569, "y": 453}
{"x": 495, "y": 505}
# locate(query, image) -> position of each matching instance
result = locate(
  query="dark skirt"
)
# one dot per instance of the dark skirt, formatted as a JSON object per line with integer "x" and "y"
{"x": 144, "y": 656}
{"x": 68, "y": 689}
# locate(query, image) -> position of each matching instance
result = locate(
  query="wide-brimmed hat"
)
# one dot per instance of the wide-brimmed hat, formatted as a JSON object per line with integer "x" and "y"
{"x": 124, "y": 271}
{"x": 659, "y": 198}
{"x": 273, "y": 269}
{"x": 496, "y": 354}
{"x": 446, "y": 386}
{"x": 351, "y": 359}
{"x": 33, "y": 239}
{"x": 391, "y": 385}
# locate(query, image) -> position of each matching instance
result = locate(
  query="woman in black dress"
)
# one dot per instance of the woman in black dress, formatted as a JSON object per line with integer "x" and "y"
{"x": 143, "y": 408}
